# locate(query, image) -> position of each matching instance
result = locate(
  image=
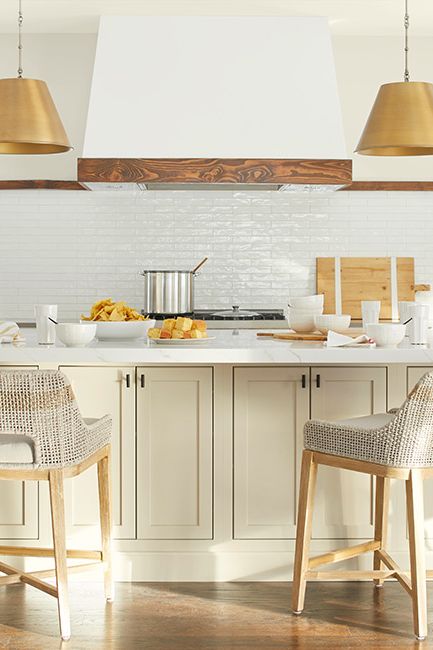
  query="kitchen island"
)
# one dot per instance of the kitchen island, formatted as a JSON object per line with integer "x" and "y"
{"x": 206, "y": 449}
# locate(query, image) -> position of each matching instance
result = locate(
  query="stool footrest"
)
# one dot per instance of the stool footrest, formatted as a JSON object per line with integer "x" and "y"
{"x": 32, "y": 551}
{"x": 342, "y": 554}
{"x": 349, "y": 575}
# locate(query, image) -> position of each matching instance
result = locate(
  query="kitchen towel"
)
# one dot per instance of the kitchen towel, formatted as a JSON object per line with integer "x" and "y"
{"x": 9, "y": 332}
{"x": 336, "y": 340}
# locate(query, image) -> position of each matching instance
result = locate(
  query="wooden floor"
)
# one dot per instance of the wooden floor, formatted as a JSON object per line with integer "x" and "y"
{"x": 211, "y": 616}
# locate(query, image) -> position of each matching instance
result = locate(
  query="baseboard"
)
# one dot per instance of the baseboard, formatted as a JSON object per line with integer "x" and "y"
{"x": 207, "y": 567}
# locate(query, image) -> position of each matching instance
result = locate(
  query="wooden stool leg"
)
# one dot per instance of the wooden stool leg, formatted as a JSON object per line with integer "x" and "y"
{"x": 303, "y": 529}
{"x": 415, "y": 516}
{"x": 381, "y": 522}
{"x": 59, "y": 540}
{"x": 104, "y": 485}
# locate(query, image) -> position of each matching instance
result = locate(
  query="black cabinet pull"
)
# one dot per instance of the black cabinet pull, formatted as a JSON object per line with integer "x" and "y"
{"x": 318, "y": 381}
{"x": 142, "y": 381}
{"x": 304, "y": 381}
{"x": 128, "y": 380}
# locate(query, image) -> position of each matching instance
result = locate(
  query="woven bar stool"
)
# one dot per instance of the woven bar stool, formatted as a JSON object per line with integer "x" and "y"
{"x": 398, "y": 445}
{"x": 44, "y": 438}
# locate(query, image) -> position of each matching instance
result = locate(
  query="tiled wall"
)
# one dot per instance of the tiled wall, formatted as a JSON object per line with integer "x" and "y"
{"x": 72, "y": 248}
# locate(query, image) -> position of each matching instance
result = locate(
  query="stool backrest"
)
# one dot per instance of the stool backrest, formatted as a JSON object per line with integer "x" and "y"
{"x": 413, "y": 425}
{"x": 39, "y": 404}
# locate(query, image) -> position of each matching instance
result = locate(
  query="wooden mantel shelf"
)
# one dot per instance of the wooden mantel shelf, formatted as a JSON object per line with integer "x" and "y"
{"x": 356, "y": 186}
{"x": 41, "y": 185}
{"x": 389, "y": 186}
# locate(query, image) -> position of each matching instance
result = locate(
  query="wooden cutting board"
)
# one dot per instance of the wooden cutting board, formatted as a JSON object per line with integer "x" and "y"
{"x": 365, "y": 278}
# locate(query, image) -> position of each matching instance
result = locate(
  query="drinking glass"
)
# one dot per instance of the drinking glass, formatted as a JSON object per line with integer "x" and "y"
{"x": 46, "y": 330}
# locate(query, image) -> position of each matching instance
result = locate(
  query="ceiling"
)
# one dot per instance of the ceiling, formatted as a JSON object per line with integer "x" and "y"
{"x": 376, "y": 17}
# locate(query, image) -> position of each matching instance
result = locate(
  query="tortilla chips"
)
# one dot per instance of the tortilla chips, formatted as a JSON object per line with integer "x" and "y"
{"x": 107, "y": 310}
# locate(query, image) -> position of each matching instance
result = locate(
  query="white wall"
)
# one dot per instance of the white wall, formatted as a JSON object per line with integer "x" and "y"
{"x": 73, "y": 248}
{"x": 362, "y": 64}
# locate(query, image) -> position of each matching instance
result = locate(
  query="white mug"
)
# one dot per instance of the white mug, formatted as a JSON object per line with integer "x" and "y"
{"x": 370, "y": 310}
{"x": 46, "y": 330}
{"x": 418, "y": 326}
{"x": 403, "y": 312}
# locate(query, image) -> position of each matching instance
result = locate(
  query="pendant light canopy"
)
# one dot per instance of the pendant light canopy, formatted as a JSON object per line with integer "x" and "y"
{"x": 29, "y": 121}
{"x": 401, "y": 120}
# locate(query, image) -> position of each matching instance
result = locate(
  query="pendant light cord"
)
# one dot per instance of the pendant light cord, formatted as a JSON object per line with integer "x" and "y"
{"x": 20, "y": 45}
{"x": 406, "y": 41}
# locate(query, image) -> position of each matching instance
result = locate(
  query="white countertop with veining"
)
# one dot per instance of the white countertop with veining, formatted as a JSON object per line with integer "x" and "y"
{"x": 228, "y": 347}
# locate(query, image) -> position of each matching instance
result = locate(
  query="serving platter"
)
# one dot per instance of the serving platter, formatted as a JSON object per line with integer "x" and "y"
{"x": 182, "y": 341}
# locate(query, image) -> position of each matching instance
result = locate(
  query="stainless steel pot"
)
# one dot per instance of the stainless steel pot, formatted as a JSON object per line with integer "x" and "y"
{"x": 168, "y": 292}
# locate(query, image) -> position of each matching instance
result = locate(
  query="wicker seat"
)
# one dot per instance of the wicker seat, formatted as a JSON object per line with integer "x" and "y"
{"x": 398, "y": 444}
{"x": 44, "y": 437}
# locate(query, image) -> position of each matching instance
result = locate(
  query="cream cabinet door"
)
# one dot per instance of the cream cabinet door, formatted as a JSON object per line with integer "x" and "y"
{"x": 271, "y": 406}
{"x": 344, "y": 500}
{"x": 101, "y": 390}
{"x": 19, "y": 503}
{"x": 174, "y": 453}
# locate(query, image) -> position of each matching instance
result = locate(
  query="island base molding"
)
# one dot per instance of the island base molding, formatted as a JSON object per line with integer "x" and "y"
{"x": 239, "y": 566}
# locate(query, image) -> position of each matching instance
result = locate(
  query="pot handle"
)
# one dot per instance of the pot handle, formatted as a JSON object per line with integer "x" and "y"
{"x": 199, "y": 265}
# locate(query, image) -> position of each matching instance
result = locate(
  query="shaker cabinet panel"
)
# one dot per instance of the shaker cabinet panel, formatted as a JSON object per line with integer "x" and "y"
{"x": 271, "y": 406}
{"x": 19, "y": 503}
{"x": 174, "y": 453}
{"x": 344, "y": 500}
{"x": 102, "y": 390}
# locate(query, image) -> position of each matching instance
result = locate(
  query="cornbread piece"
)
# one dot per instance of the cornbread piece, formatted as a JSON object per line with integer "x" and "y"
{"x": 168, "y": 324}
{"x": 187, "y": 335}
{"x": 183, "y": 324}
{"x": 165, "y": 334}
{"x": 177, "y": 334}
{"x": 199, "y": 325}
{"x": 153, "y": 333}
{"x": 196, "y": 334}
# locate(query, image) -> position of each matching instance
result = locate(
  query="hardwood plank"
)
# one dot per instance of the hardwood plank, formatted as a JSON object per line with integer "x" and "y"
{"x": 213, "y": 616}
{"x": 214, "y": 170}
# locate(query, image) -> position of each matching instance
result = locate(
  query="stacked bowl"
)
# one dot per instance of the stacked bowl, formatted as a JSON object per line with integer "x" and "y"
{"x": 301, "y": 312}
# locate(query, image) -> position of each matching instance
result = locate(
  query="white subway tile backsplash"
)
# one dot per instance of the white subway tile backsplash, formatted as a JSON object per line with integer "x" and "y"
{"x": 75, "y": 247}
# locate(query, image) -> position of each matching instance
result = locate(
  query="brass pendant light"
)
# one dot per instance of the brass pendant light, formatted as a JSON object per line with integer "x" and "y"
{"x": 29, "y": 121}
{"x": 401, "y": 120}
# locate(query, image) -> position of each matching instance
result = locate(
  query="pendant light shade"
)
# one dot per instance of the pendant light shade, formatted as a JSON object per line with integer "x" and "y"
{"x": 29, "y": 121}
{"x": 400, "y": 122}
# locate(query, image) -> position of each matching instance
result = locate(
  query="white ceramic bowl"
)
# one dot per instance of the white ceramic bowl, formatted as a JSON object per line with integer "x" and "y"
{"x": 131, "y": 329}
{"x": 386, "y": 335}
{"x": 76, "y": 335}
{"x": 334, "y": 322}
{"x": 302, "y": 320}
{"x": 308, "y": 302}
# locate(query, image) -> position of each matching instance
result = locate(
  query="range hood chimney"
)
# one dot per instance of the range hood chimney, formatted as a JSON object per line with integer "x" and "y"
{"x": 214, "y": 103}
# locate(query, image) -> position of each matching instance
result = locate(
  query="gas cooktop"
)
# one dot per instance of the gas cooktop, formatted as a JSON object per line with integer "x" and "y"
{"x": 239, "y": 318}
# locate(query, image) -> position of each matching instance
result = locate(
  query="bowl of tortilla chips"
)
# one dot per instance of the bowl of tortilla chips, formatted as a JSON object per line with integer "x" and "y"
{"x": 117, "y": 320}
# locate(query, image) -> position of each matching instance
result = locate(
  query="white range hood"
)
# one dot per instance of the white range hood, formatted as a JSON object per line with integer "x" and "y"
{"x": 211, "y": 101}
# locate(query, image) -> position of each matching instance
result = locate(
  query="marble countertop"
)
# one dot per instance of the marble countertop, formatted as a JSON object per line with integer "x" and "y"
{"x": 229, "y": 347}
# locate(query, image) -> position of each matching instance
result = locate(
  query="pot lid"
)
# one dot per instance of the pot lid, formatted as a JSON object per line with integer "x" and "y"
{"x": 236, "y": 313}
